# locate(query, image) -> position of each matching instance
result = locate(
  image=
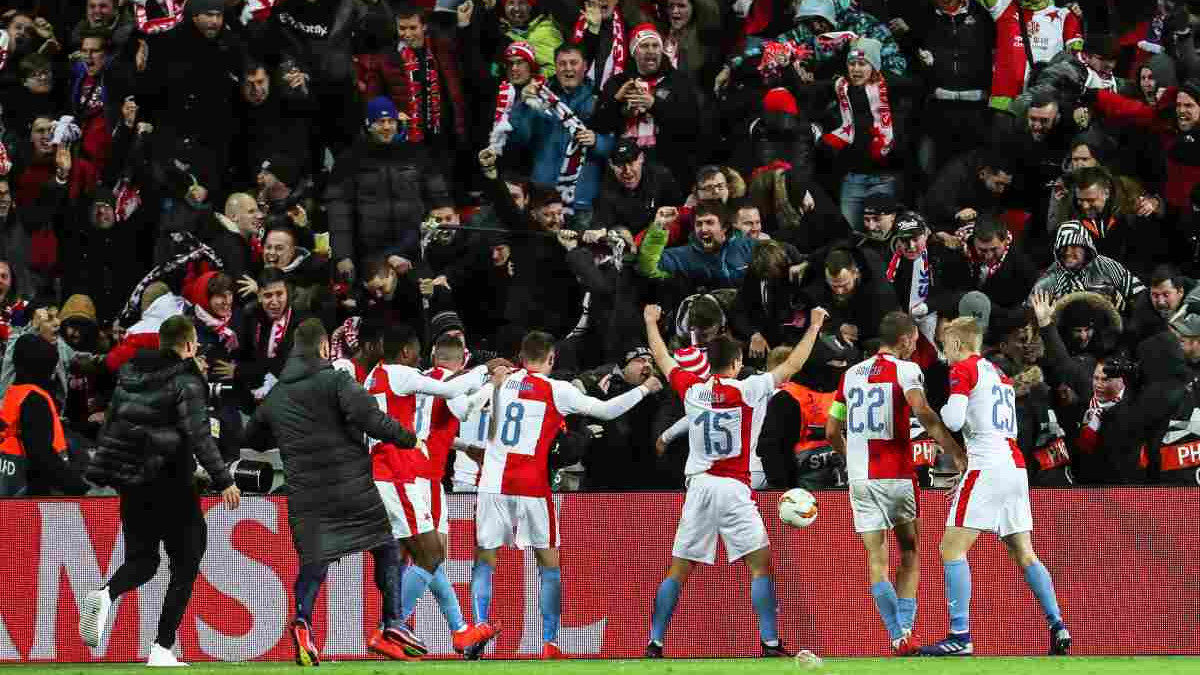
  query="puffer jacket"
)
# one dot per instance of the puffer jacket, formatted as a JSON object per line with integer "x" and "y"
{"x": 722, "y": 269}
{"x": 157, "y": 426}
{"x": 317, "y": 416}
{"x": 377, "y": 197}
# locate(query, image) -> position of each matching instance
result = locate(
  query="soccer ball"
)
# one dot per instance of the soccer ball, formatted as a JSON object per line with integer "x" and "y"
{"x": 798, "y": 508}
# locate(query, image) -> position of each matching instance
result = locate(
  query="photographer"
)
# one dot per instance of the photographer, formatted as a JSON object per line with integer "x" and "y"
{"x": 157, "y": 426}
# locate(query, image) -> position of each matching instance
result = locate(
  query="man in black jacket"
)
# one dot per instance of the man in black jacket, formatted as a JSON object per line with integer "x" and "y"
{"x": 633, "y": 189}
{"x": 317, "y": 416}
{"x": 157, "y": 425}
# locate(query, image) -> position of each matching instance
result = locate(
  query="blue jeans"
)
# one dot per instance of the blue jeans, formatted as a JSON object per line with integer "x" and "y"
{"x": 856, "y": 187}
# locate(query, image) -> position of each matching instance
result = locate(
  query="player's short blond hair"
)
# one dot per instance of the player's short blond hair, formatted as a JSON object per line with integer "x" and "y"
{"x": 966, "y": 329}
{"x": 777, "y": 356}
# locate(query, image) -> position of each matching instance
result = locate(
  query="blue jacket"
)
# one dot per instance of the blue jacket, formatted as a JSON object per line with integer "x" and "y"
{"x": 547, "y": 138}
{"x": 722, "y": 269}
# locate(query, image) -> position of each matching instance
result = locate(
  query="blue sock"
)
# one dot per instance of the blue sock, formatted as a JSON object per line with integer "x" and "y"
{"x": 958, "y": 594}
{"x": 550, "y": 601}
{"x": 481, "y": 591}
{"x": 664, "y": 607}
{"x": 416, "y": 580}
{"x": 447, "y": 599}
{"x": 885, "y": 603}
{"x": 762, "y": 595}
{"x": 1039, "y": 582}
{"x": 906, "y": 613}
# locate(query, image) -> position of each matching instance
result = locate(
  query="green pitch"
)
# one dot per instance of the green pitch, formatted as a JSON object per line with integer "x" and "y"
{"x": 963, "y": 666}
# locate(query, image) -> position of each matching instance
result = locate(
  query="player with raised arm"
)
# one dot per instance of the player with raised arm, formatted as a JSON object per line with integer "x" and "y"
{"x": 527, "y": 414}
{"x": 869, "y": 424}
{"x": 402, "y": 477}
{"x": 720, "y": 413}
{"x": 993, "y": 495}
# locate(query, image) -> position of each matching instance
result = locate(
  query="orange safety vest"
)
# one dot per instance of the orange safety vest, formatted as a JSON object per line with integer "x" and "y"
{"x": 12, "y": 450}
{"x": 814, "y": 411}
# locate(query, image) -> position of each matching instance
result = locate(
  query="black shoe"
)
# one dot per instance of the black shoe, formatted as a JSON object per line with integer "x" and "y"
{"x": 778, "y": 651}
{"x": 1060, "y": 640}
{"x": 653, "y": 650}
{"x": 474, "y": 652}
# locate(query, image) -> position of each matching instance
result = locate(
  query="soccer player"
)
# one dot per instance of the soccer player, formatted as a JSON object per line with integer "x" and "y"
{"x": 402, "y": 477}
{"x": 527, "y": 411}
{"x": 720, "y": 412}
{"x": 993, "y": 495}
{"x": 869, "y": 424}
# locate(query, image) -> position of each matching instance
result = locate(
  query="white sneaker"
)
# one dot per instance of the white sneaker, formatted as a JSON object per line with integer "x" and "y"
{"x": 808, "y": 660}
{"x": 93, "y": 619}
{"x": 161, "y": 657}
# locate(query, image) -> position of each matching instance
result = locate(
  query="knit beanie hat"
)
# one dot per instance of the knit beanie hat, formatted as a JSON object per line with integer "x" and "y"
{"x": 381, "y": 107}
{"x": 78, "y": 307}
{"x": 285, "y": 169}
{"x": 444, "y": 322}
{"x": 780, "y": 100}
{"x": 522, "y": 50}
{"x": 194, "y": 7}
{"x": 641, "y": 33}
{"x": 694, "y": 360}
{"x": 866, "y": 49}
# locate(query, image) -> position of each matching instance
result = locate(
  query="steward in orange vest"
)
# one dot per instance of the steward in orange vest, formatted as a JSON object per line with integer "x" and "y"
{"x": 32, "y": 441}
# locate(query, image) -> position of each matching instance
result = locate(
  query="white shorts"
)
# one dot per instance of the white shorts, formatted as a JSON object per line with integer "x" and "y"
{"x": 512, "y": 520}
{"x": 718, "y": 505}
{"x": 883, "y": 503}
{"x": 407, "y": 508}
{"x": 434, "y": 495}
{"x": 465, "y": 487}
{"x": 992, "y": 500}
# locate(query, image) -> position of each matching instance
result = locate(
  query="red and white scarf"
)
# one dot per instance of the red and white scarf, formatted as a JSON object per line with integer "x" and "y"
{"x": 278, "y": 330}
{"x": 642, "y": 127}
{"x": 506, "y": 97}
{"x": 615, "y": 64}
{"x": 4, "y": 51}
{"x": 1089, "y": 435}
{"x": 128, "y": 197}
{"x": 173, "y": 8}
{"x": 983, "y": 270}
{"x": 256, "y": 10}
{"x": 576, "y": 154}
{"x": 882, "y": 134}
{"x": 418, "y": 103}
{"x": 220, "y": 327}
{"x": 922, "y": 277}
{"x": 5, "y": 162}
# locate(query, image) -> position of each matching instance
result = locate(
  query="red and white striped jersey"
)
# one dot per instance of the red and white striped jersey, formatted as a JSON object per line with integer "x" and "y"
{"x": 1051, "y": 30}
{"x": 721, "y": 421}
{"x": 990, "y": 430}
{"x": 529, "y": 411}
{"x": 441, "y": 427}
{"x": 877, "y": 416}
{"x": 396, "y": 388}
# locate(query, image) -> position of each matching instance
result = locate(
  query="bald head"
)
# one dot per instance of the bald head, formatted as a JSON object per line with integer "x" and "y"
{"x": 243, "y": 210}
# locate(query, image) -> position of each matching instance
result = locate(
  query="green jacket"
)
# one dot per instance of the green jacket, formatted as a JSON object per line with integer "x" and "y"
{"x": 545, "y": 37}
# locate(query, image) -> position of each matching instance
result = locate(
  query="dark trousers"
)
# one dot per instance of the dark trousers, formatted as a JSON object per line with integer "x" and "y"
{"x": 172, "y": 516}
{"x": 388, "y": 576}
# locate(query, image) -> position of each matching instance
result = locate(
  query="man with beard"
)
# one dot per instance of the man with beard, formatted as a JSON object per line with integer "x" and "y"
{"x": 878, "y": 224}
{"x": 654, "y": 104}
{"x": 1187, "y": 330}
{"x": 187, "y": 91}
{"x": 391, "y": 298}
{"x": 857, "y": 299}
{"x": 1079, "y": 267}
{"x": 623, "y": 457}
{"x": 999, "y": 271}
{"x": 633, "y": 189}
{"x": 976, "y": 183}
{"x": 1135, "y": 240}
{"x": 928, "y": 279}
{"x": 560, "y": 159}
{"x": 1169, "y": 299}
{"x": 716, "y": 256}
{"x": 100, "y": 262}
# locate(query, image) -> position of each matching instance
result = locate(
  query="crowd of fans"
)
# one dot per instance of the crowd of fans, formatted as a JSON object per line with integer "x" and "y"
{"x": 481, "y": 169}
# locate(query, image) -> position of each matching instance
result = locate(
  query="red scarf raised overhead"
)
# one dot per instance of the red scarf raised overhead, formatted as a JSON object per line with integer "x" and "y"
{"x": 615, "y": 64}
{"x": 882, "y": 134}
{"x": 418, "y": 103}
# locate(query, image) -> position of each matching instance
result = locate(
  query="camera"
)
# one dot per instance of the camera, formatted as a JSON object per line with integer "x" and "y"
{"x": 1121, "y": 367}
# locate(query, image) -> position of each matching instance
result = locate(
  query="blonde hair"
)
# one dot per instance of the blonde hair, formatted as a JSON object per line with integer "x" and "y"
{"x": 966, "y": 329}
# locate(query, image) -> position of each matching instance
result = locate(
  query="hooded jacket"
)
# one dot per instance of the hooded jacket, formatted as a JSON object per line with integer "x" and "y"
{"x": 317, "y": 416}
{"x": 35, "y": 361}
{"x": 144, "y": 333}
{"x": 157, "y": 426}
{"x": 1098, "y": 273}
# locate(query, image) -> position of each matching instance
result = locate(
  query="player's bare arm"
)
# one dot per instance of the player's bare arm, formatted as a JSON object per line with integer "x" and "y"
{"x": 800, "y": 353}
{"x": 658, "y": 347}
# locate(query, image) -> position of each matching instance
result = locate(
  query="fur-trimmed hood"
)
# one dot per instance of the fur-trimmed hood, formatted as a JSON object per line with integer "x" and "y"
{"x": 1084, "y": 308}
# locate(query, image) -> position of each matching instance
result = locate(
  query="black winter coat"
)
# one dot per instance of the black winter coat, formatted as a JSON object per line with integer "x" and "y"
{"x": 677, "y": 115}
{"x": 377, "y": 197}
{"x": 317, "y": 417}
{"x": 617, "y": 208}
{"x": 157, "y": 420}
